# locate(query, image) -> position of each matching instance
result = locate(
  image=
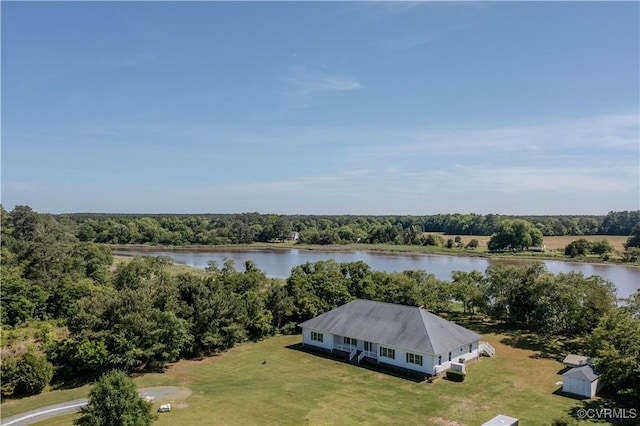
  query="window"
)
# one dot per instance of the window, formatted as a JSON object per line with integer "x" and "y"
{"x": 470, "y": 348}
{"x": 368, "y": 346}
{"x": 316, "y": 336}
{"x": 414, "y": 359}
{"x": 387, "y": 353}
{"x": 349, "y": 341}
{"x": 449, "y": 356}
{"x": 440, "y": 360}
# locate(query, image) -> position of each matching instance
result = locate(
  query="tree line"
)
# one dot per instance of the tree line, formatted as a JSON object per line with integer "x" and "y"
{"x": 254, "y": 227}
{"x": 92, "y": 317}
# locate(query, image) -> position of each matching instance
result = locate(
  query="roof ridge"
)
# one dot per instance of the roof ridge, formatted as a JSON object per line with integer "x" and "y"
{"x": 424, "y": 324}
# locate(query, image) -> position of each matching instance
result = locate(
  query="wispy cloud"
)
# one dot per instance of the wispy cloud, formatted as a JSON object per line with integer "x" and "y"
{"x": 559, "y": 166}
{"x": 21, "y": 187}
{"x": 608, "y": 134}
{"x": 522, "y": 179}
{"x": 303, "y": 81}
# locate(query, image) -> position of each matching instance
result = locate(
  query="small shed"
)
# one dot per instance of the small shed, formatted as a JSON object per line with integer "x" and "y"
{"x": 582, "y": 381}
{"x": 573, "y": 360}
{"x": 502, "y": 420}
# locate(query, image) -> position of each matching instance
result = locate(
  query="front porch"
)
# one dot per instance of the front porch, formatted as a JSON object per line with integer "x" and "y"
{"x": 355, "y": 349}
{"x": 368, "y": 363}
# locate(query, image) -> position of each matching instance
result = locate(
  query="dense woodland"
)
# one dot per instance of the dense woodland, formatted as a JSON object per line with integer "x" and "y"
{"x": 254, "y": 227}
{"x": 68, "y": 312}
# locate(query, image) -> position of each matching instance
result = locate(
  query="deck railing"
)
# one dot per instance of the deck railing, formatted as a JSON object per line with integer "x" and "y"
{"x": 343, "y": 348}
{"x": 370, "y": 354}
{"x": 353, "y": 353}
{"x": 486, "y": 348}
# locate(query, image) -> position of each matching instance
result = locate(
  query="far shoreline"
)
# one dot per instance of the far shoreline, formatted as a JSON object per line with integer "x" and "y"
{"x": 371, "y": 248}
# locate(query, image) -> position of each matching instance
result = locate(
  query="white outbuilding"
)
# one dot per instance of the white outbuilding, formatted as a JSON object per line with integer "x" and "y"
{"x": 581, "y": 381}
{"x": 501, "y": 420}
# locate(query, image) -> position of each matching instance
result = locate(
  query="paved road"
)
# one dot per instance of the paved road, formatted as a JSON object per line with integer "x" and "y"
{"x": 158, "y": 393}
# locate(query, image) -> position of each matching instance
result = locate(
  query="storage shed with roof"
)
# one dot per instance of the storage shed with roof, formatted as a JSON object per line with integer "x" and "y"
{"x": 581, "y": 381}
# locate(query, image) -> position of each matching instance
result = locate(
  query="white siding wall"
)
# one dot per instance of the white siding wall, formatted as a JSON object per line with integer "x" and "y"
{"x": 327, "y": 339}
{"x": 579, "y": 387}
{"x": 400, "y": 359}
{"x": 456, "y": 354}
{"x": 428, "y": 361}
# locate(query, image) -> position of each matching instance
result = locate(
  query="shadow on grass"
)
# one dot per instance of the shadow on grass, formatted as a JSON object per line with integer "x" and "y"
{"x": 605, "y": 411}
{"x": 560, "y": 392}
{"x": 366, "y": 363}
{"x": 74, "y": 382}
{"x": 549, "y": 347}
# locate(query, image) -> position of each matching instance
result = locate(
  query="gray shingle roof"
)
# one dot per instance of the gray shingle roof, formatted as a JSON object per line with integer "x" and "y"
{"x": 407, "y": 327}
{"x": 575, "y": 360}
{"x": 585, "y": 372}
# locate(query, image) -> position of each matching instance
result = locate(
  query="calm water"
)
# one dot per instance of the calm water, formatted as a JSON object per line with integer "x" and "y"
{"x": 278, "y": 263}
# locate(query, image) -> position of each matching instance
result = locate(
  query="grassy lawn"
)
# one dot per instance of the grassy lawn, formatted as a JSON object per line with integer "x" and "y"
{"x": 11, "y": 407}
{"x": 273, "y": 382}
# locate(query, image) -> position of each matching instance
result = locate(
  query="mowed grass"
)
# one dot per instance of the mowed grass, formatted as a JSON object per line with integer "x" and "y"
{"x": 554, "y": 243}
{"x": 274, "y": 383}
{"x": 559, "y": 243}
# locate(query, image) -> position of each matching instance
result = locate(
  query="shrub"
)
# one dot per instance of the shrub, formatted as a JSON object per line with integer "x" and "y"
{"x": 456, "y": 376}
{"x": 25, "y": 375}
{"x": 579, "y": 247}
{"x": 473, "y": 244}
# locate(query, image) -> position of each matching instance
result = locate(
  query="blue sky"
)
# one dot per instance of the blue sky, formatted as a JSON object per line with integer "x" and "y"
{"x": 321, "y": 108}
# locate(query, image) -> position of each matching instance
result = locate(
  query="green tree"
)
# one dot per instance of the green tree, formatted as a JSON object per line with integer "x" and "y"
{"x": 634, "y": 238}
{"x": 579, "y": 247}
{"x": 20, "y": 299}
{"x": 602, "y": 248}
{"x": 564, "y": 421}
{"x": 28, "y": 374}
{"x": 616, "y": 348}
{"x": 467, "y": 288}
{"x": 473, "y": 244}
{"x": 516, "y": 234}
{"x": 633, "y": 304}
{"x": 113, "y": 400}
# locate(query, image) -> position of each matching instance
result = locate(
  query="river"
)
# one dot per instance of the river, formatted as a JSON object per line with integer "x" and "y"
{"x": 278, "y": 263}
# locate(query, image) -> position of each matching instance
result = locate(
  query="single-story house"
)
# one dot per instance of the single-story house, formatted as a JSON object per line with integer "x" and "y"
{"x": 501, "y": 420}
{"x": 581, "y": 381}
{"x": 402, "y": 336}
{"x": 573, "y": 360}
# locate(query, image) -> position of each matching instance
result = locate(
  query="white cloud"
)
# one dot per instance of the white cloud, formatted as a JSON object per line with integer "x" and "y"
{"x": 564, "y": 180}
{"x": 21, "y": 187}
{"x": 305, "y": 82}
{"x": 578, "y": 138}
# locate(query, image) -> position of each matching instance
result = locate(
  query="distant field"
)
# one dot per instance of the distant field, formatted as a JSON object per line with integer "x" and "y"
{"x": 554, "y": 243}
{"x": 617, "y": 241}
{"x": 272, "y": 382}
